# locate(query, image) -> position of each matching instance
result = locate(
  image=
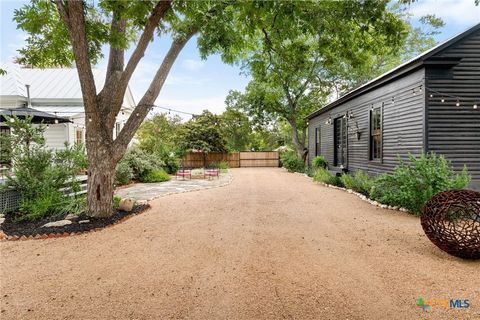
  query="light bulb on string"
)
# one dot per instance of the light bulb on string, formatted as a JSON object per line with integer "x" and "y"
{"x": 475, "y": 106}
{"x": 393, "y": 100}
{"x": 458, "y": 103}
{"x": 442, "y": 100}
{"x": 420, "y": 89}
{"x": 413, "y": 91}
{"x": 431, "y": 95}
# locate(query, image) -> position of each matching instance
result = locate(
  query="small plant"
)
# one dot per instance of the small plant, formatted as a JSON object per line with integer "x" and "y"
{"x": 412, "y": 184}
{"x": 292, "y": 162}
{"x": 359, "y": 182}
{"x": 116, "y": 202}
{"x": 222, "y": 166}
{"x": 123, "y": 173}
{"x": 156, "y": 175}
{"x": 323, "y": 175}
{"x": 319, "y": 162}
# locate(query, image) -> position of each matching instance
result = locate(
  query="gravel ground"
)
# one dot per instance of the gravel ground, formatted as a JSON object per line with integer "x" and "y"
{"x": 271, "y": 245}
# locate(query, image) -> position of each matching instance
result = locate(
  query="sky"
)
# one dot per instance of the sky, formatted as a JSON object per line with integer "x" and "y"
{"x": 195, "y": 84}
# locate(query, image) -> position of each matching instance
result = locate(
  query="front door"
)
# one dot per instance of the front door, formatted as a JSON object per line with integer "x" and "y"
{"x": 340, "y": 129}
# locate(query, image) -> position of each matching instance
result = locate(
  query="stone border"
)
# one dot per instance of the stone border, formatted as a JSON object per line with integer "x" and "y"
{"x": 4, "y": 237}
{"x": 359, "y": 195}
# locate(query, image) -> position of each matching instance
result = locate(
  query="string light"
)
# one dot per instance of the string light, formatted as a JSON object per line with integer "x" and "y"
{"x": 475, "y": 106}
{"x": 458, "y": 103}
{"x": 443, "y": 100}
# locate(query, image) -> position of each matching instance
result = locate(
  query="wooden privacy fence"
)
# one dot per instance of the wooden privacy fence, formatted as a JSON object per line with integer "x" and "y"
{"x": 234, "y": 159}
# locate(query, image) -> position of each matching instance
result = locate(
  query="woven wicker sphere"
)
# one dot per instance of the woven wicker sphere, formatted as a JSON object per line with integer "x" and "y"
{"x": 451, "y": 220}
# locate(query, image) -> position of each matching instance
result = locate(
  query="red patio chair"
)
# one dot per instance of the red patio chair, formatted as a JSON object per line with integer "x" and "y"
{"x": 184, "y": 173}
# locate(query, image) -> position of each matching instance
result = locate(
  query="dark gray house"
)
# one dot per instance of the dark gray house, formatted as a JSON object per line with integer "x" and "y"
{"x": 430, "y": 103}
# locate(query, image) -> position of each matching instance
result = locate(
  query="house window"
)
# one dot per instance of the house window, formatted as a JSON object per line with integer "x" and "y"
{"x": 376, "y": 134}
{"x": 340, "y": 141}
{"x": 317, "y": 141}
{"x": 78, "y": 136}
{"x": 117, "y": 129}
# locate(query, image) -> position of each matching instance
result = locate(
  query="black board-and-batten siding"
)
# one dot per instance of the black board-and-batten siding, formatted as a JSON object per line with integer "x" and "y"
{"x": 413, "y": 121}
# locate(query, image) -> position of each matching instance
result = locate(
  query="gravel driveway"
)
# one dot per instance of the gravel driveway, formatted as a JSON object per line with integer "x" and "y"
{"x": 271, "y": 245}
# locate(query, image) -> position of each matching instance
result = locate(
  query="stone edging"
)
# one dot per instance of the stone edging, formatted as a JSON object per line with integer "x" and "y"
{"x": 4, "y": 237}
{"x": 359, "y": 195}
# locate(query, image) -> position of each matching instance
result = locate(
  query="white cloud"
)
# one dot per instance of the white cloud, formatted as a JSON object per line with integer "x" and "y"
{"x": 458, "y": 12}
{"x": 192, "y": 65}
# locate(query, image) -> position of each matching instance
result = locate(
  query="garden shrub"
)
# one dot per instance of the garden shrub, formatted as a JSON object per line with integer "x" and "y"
{"x": 171, "y": 164}
{"x": 319, "y": 162}
{"x": 412, "y": 184}
{"x": 42, "y": 177}
{"x": 141, "y": 162}
{"x": 292, "y": 162}
{"x": 116, "y": 202}
{"x": 156, "y": 175}
{"x": 323, "y": 175}
{"x": 359, "y": 182}
{"x": 123, "y": 173}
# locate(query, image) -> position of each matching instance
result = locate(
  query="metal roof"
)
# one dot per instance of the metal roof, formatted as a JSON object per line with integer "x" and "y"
{"x": 58, "y": 83}
{"x": 395, "y": 72}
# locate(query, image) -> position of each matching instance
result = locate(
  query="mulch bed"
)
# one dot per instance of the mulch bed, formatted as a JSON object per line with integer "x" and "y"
{"x": 28, "y": 229}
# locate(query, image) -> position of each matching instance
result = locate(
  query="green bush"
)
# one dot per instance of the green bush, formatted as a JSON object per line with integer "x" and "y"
{"x": 323, "y": 175}
{"x": 141, "y": 162}
{"x": 414, "y": 183}
{"x": 359, "y": 182}
{"x": 123, "y": 173}
{"x": 156, "y": 175}
{"x": 319, "y": 162}
{"x": 292, "y": 162}
{"x": 116, "y": 202}
{"x": 171, "y": 164}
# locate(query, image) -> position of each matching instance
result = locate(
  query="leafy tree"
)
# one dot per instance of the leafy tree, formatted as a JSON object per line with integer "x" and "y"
{"x": 296, "y": 55}
{"x": 61, "y": 31}
{"x": 202, "y": 133}
{"x": 158, "y": 134}
{"x": 237, "y": 130}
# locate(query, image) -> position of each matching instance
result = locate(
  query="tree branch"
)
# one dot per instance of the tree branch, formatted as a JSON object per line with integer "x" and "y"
{"x": 148, "y": 99}
{"x": 158, "y": 12}
{"x": 116, "y": 55}
{"x": 73, "y": 14}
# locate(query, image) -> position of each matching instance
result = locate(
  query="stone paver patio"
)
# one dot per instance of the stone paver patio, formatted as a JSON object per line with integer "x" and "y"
{"x": 150, "y": 191}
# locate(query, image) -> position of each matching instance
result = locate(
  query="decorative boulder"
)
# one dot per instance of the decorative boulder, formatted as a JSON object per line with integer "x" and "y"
{"x": 126, "y": 204}
{"x": 451, "y": 220}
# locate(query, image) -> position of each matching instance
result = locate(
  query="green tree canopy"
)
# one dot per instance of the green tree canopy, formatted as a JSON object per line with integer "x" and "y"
{"x": 202, "y": 133}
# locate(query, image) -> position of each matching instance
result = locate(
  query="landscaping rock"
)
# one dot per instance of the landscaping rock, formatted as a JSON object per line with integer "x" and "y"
{"x": 1, "y": 220}
{"x": 71, "y": 217}
{"x": 83, "y": 221}
{"x": 59, "y": 223}
{"x": 142, "y": 202}
{"x": 126, "y": 204}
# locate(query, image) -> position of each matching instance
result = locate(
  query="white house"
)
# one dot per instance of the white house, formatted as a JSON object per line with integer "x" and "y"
{"x": 57, "y": 92}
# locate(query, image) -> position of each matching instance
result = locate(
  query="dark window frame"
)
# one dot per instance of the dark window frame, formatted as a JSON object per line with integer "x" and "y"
{"x": 342, "y": 132}
{"x": 375, "y": 135}
{"x": 318, "y": 141}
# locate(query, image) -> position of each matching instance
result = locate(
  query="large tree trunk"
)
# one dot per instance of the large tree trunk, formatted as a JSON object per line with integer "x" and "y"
{"x": 297, "y": 141}
{"x": 101, "y": 174}
{"x": 101, "y": 171}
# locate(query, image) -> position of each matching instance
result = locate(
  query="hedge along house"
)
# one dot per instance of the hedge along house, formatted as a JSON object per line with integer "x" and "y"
{"x": 430, "y": 103}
